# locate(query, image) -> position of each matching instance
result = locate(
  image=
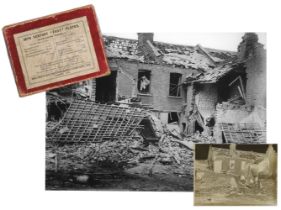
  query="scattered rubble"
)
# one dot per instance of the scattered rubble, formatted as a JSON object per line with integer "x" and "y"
{"x": 158, "y": 126}
{"x": 169, "y": 152}
{"x": 172, "y": 154}
{"x": 121, "y": 154}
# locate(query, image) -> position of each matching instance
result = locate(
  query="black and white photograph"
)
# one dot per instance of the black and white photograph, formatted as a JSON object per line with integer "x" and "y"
{"x": 135, "y": 129}
{"x": 235, "y": 174}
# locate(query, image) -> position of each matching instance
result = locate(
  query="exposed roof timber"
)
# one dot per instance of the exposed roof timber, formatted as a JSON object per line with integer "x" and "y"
{"x": 214, "y": 75}
{"x": 242, "y": 133}
{"x": 87, "y": 121}
{"x": 154, "y": 49}
{"x": 181, "y": 56}
{"x": 206, "y": 53}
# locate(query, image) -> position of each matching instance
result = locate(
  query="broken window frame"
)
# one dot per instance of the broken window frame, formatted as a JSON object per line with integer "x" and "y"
{"x": 240, "y": 86}
{"x": 147, "y": 74}
{"x": 174, "y": 89}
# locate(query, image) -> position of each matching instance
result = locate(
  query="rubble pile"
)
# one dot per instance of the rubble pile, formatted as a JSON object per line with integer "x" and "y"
{"x": 122, "y": 154}
{"x": 172, "y": 153}
{"x": 67, "y": 157}
{"x": 157, "y": 125}
{"x": 200, "y": 138}
{"x": 172, "y": 129}
{"x": 169, "y": 152}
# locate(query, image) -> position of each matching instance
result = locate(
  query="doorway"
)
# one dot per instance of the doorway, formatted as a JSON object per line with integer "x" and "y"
{"x": 106, "y": 88}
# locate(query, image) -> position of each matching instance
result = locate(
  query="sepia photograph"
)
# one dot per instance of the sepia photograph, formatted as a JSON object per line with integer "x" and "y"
{"x": 136, "y": 128}
{"x": 235, "y": 174}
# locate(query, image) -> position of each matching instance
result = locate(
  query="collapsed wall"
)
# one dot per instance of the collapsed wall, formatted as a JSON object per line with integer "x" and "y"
{"x": 241, "y": 117}
{"x": 239, "y": 124}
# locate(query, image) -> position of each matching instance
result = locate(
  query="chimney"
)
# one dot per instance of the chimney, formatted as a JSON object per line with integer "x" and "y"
{"x": 253, "y": 54}
{"x": 146, "y": 47}
{"x": 144, "y": 37}
{"x": 248, "y": 47}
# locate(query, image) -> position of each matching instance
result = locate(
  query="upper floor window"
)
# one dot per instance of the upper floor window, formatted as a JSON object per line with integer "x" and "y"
{"x": 144, "y": 81}
{"x": 175, "y": 83}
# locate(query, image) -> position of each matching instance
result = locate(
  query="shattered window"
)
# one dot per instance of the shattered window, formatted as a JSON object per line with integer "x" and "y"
{"x": 236, "y": 90}
{"x": 175, "y": 81}
{"x": 144, "y": 81}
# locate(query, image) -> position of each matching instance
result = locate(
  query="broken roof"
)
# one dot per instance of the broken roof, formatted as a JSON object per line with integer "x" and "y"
{"x": 122, "y": 48}
{"x": 243, "y": 133}
{"x": 215, "y": 74}
{"x": 191, "y": 57}
{"x": 87, "y": 121}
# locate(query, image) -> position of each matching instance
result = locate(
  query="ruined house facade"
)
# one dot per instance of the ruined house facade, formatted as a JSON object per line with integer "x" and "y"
{"x": 166, "y": 66}
{"x": 203, "y": 90}
{"x": 229, "y": 101}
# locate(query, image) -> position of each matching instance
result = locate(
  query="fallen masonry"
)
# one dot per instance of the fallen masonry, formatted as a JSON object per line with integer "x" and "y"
{"x": 98, "y": 140}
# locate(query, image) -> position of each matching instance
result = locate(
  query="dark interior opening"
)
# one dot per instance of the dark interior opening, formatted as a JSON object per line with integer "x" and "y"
{"x": 106, "y": 88}
{"x": 228, "y": 87}
{"x": 223, "y": 138}
{"x": 173, "y": 117}
{"x": 198, "y": 127}
{"x": 183, "y": 126}
{"x": 56, "y": 110}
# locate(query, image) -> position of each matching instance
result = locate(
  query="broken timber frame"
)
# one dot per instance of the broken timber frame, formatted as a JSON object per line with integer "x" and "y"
{"x": 87, "y": 121}
{"x": 248, "y": 133}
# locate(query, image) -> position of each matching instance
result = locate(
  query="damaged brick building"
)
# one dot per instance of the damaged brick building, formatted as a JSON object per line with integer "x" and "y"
{"x": 229, "y": 101}
{"x": 212, "y": 92}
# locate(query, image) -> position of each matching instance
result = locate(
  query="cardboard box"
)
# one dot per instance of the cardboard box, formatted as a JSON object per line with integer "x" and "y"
{"x": 56, "y": 50}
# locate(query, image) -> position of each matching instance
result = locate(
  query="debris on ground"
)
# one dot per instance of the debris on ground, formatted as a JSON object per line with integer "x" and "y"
{"x": 125, "y": 153}
{"x": 150, "y": 148}
{"x": 157, "y": 125}
{"x": 147, "y": 163}
{"x": 173, "y": 151}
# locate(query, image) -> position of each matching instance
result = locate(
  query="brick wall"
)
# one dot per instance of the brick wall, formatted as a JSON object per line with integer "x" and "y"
{"x": 231, "y": 113}
{"x": 253, "y": 54}
{"x": 125, "y": 85}
{"x": 256, "y": 78}
{"x": 159, "y": 87}
{"x": 206, "y": 99}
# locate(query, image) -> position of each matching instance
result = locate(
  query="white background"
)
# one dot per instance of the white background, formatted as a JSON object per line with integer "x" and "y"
{"x": 22, "y": 120}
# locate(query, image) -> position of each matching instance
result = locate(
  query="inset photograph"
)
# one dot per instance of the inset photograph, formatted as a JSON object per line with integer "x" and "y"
{"x": 235, "y": 174}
